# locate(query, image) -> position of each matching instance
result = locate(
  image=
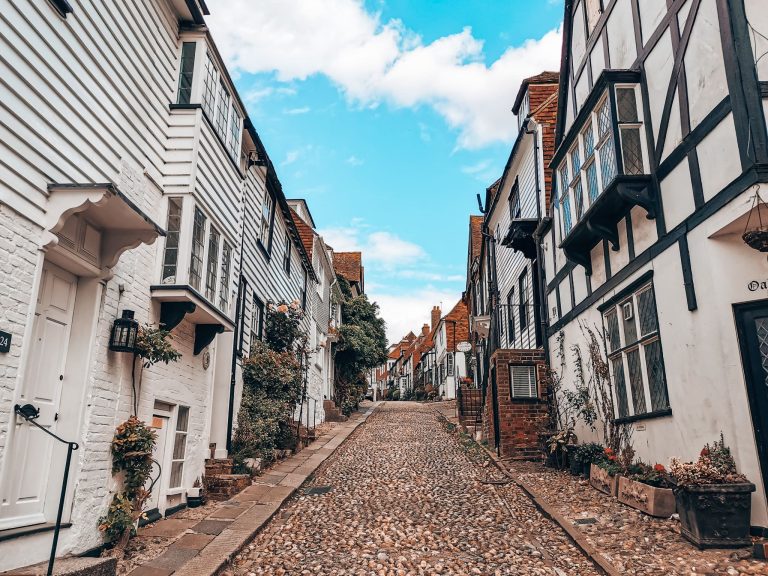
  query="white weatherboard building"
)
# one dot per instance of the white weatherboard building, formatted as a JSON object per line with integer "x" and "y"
{"x": 661, "y": 147}
{"x": 130, "y": 179}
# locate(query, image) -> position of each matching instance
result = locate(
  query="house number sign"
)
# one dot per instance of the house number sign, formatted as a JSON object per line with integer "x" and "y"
{"x": 5, "y": 342}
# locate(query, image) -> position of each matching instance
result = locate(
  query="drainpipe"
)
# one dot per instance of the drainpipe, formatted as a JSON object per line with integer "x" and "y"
{"x": 543, "y": 321}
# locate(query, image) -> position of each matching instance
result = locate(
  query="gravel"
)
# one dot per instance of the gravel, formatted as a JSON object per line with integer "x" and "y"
{"x": 409, "y": 497}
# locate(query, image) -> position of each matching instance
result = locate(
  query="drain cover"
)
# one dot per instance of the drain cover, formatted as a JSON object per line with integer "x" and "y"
{"x": 585, "y": 521}
{"x": 317, "y": 490}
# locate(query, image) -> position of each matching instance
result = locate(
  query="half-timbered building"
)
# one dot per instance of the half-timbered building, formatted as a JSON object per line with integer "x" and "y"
{"x": 661, "y": 150}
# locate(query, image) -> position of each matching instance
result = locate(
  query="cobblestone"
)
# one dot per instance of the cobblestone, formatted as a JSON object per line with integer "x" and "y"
{"x": 407, "y": 498}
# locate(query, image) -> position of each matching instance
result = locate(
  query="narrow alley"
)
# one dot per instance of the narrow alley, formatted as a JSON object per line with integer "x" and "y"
{"x": 406, "y": 498}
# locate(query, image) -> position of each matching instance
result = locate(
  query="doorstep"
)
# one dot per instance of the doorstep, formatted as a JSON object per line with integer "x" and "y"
{"x": 206, "y": 546}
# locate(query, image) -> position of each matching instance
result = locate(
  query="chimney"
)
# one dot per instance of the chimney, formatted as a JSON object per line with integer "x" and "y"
{"x": 425, "y": 330}
{"x": 436, "y": 315}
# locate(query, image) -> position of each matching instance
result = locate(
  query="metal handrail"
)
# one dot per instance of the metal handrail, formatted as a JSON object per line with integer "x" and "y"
{"x": 30, "y": 414}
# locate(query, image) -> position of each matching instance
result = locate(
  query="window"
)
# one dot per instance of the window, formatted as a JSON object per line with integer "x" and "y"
{"x": 590, "y": 165}
{"x": 266, "y": 219}
{"x": 209, "y": 87}
{"x": 226, "y": 265}
{"x": 605, "y": 145}
{"x": 576, "y": 182}
{"x": 565, "y": 199}
{"x": 522, "y": 381}
{"x": 449, "y": 364}
{"x": 241, "y": 295}
{"x": 234, "y": 133}
{"x": 185, "y": 72}
{"x": 304, "y": 291}
{"x": 222, "y": 111}
{"x": 287, "y": 255}
{"x": 213, "y": 265}
{"x": 511, "y": 314}
{"x": 514, "y": 200}
{"x": 629, "y": 130}
{"x": 522, "y": 284}
{"x": 257, "y": 322}
{"x": 634, "y": 350}
{"x": 198, "y": 247}
{"x": 171, "y": 253}
{"x": 179, "y": 447}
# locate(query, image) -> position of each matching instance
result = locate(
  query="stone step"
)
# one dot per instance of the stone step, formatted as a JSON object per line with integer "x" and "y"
{"x": 73, "y": 566}
{"x": 224, "y": 486}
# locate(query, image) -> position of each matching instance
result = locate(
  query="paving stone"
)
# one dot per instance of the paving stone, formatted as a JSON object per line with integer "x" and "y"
{"x": 193, "y": 541}
{"x": 168, "y": 528}
{"x": 173, "y": 558}
{"x": 214, "y": 527}
{"x": 293, "y": 480}
{"x": 147, "y": 570}
{"x": 271, "y": 478}
{"x": 229, "y": 512}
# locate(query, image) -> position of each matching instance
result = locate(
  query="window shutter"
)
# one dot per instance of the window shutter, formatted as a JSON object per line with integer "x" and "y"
{"x": 523, "y": 381}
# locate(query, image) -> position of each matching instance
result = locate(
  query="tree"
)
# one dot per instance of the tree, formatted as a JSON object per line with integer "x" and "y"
{"x": 362, "y": 346}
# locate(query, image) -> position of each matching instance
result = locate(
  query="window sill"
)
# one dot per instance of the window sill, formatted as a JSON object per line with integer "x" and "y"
{"x": 526, "y": 400}
{"x": 184, "y": 106}
{"x": 13, "y": 533}
{"x": 647, "y": 416}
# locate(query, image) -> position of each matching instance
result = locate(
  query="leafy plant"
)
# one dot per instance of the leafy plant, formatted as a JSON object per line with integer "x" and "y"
{"x": 714, "y": 466}
{"x": 283, "y": 325}
{"x": 132, "y": 447}
{"x": 153, "y": 346}
{"x": 589, "y": 453}
{"x": 652, "y": 475}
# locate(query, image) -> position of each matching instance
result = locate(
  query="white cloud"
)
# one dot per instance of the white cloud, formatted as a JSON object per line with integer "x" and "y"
{"x": 291, "y": 157}
{"x": 372, "y": 61}
{"x": 354, "y": 161}
{"x": 297, "y": 111}
{"x": 408, "y": 312}
{"x": 380, "y": 249}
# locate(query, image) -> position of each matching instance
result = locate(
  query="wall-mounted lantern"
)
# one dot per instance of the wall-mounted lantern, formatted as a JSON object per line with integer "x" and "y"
{"x": 125, "y": 330}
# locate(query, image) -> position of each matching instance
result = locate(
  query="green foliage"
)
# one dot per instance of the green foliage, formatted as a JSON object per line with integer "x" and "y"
{"x": 273, "y": 383}
{"x": 153, "y": 346}
{"x": 132, "y": 447}
{"x": 283, "y": 326}
{"x": 362, "y": 346}
{"x": 119, "y": 518}
{"x": 589, "y": 453}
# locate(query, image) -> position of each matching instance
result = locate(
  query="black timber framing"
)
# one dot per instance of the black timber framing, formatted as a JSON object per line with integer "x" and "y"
{"x": 685, "y": 266}
{"x": 754, "y": 175}
{"x": 630, "y": 235}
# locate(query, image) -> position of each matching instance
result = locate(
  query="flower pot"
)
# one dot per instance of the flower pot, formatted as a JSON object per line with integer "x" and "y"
{"x": 601, "y": 480}
{"x": 195, "y": 501}
{"x": 715, "y": 515}
{"x": 756, "y": 239}
{"x": 659, "y": 502}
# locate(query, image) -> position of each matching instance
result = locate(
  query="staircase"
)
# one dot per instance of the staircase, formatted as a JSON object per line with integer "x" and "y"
{"x": 332, "y": 413}
{"x": 220, "y": 483}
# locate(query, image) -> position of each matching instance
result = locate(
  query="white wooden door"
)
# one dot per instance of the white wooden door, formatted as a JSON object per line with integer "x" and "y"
{"x": 30, "y": 461}
{"x": 160, "y": 422}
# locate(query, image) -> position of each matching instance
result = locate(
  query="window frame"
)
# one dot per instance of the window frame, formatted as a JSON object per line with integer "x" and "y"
{"x": 533, "y": 385}
{"x": 269, "y": 199}
{"x": 212, "y": 263}
{"x": 172, "y": 232}
{"x": 225, "y": 271}
{"x": 196, "y": 277}
{"x": 522, "y": 286}
{"x": 287, "y": 255}
{"x": 256, "y": 332}
{"x": 626, "y": 399}
{"x": 186, "y": 73}
{"x": 177, "y": 433}
{"x": 511, "y": 315}
{"x": 515, "y": 210}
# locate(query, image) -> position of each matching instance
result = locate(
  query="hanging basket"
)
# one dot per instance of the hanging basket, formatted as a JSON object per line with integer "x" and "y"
{"x": 756, "y": 238}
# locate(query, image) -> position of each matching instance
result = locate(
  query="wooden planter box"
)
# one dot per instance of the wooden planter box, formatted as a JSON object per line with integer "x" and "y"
{"x": 601, "y": 480}
{"x": 716, "y": 515}
{"x": 659, "y": 502}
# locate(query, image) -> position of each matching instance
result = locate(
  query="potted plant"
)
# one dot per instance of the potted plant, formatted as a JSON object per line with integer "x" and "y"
{"x": 584, "y": 456}
{"x": 558, "y": 448}
{"x": 604, "y": 473}
{"x": 195, "y": 496}
{"x": 648, "y": 489}
{"x": 713, "y": 499}
{"x": 756, "y": 237}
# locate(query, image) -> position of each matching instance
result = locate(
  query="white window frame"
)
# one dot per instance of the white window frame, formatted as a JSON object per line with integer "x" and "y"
{"x": 177, "y": 435}
{"x": 531, "y": 376}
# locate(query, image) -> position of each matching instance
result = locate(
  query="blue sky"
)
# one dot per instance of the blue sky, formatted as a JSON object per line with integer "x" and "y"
{"x": 388, "y": 117}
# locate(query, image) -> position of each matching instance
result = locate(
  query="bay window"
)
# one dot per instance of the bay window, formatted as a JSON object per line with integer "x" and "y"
{"x": 171, "y": 252}
{"x": 635, "y": 356}
{"x": 198, "y": 248}
{"x": 226, "y": 265}
{"x": 213, "y": 264}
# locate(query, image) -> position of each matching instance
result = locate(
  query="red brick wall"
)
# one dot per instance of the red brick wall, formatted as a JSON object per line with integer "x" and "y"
{"x": 519, "y": 420}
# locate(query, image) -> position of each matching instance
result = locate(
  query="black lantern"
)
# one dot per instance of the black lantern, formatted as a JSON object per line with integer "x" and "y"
{"x": 124, "y": 333}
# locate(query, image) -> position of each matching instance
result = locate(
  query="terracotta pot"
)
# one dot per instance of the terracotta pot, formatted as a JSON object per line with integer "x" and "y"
{"x": 716, "y": 515}
{"x": 601, "y": 480}
{"x": 659, "y": 502}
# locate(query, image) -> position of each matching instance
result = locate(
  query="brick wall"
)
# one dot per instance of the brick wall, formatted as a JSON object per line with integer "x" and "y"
{"x": 519, "y": 420}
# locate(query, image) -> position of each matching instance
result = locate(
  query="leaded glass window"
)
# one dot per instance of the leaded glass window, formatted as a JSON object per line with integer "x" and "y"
{"x": 198, "y": 248}
{"x": 234, "y": 133}
{"x": 226, "y": 265}
{"x": 635, "y": 353}
{"x": 213, "y": 265}
{"x": 173, "y": 231}
{"x": 209, "y": 87}
{"x": 186, "y": 72}
{"x": 632, "y": 151}
{"x": 222, "y": 111}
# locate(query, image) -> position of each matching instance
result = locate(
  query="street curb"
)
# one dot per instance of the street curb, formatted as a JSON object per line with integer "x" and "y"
{"x": 204, "y": 565}
{"x": 579, "y": 539}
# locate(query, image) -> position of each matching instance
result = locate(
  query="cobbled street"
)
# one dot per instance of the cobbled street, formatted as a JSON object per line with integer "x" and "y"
{"x": 408, "y": 498}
